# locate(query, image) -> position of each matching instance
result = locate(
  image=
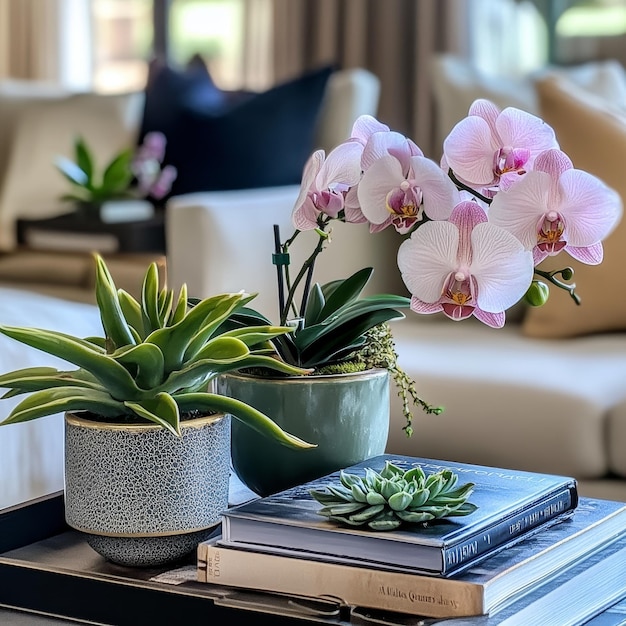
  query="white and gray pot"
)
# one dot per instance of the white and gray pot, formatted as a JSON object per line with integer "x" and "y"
{"x": 142, "y": 496}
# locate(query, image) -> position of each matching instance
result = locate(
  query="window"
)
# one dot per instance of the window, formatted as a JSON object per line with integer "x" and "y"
{"x": 127, "y": 33}
{"x": 122, "y": 42}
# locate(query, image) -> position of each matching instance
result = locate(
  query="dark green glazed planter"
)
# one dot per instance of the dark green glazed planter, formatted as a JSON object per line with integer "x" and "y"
{"x": 346, "y": 415}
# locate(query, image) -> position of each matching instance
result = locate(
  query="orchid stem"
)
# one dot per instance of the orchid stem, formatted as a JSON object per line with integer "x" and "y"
{"x": 306, "y": 270}
{"x": 465, "y": 187}
{"x": 551, "y": 278}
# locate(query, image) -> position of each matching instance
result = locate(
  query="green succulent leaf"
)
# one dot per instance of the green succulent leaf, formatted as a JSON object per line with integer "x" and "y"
{"x": 40, "y": 378}
{"x": 146, "y": 360}
{"x": 109, "y": 373}
{"x": 150, "y": 297}
{"x": 393, "y": 497}
{"x": 180, "y": 309}
{"x": 162, "y": 410}
{"x": 131, "y": 309}
{"x": 244, "y": 413}
{"x": 115, "y": 325}
{"x": 61, "y": 399}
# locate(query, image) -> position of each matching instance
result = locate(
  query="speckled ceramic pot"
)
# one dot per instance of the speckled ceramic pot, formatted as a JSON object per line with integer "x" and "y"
{"x": 142, "y": 496}
{"x": 346, "y": 415}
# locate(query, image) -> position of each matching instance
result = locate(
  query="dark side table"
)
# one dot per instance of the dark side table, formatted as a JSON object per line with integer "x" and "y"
{"x": 79, "y": 232}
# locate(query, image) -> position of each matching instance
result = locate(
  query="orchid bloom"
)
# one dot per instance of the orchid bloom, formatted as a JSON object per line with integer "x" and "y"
{"x": 146, "y": 167}
{"x": 490, "y": 149}
{"x": 325, "y": 181}
{"x": 399, "y": 184}
{"x": 465, "y": 266}
{"x": 556, "y": 207}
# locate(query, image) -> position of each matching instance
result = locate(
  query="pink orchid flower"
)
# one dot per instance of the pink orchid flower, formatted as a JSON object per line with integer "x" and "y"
{"x": 325, "y": 181}
{"x": 556, "y": 207}
{"x": 399, "y": 184}
{"x": 465, "y": 266}
{"x": 491, "y": 149}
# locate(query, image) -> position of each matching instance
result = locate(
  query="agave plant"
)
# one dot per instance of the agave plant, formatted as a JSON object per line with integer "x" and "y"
{"x": 386, "y": 500}
{"x": 154, "y": 363}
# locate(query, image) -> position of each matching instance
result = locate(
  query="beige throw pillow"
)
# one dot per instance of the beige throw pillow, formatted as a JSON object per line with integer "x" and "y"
{"x": 592, "y": 132}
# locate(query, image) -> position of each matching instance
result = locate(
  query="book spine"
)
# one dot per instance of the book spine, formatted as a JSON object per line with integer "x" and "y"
{"x": 508, "y": 530}
{"x": 349, "y": 585}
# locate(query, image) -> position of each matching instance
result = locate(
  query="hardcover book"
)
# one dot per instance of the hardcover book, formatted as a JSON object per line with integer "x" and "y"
{"x": 487, "y": 588}
{"x": 511, "y": 504}
{"x": 572, "y": 598}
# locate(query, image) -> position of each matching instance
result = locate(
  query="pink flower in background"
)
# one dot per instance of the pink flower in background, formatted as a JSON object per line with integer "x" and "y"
{"x": 146, "y": 167}
{"x": 556, "y": 207}
{"x": 491, "y": 149}
{"x": 325, "y": 180}
{"x": 465, "y": 266}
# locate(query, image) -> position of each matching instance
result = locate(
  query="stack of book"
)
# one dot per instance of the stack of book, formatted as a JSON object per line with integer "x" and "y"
{"x": 532, "y": 553}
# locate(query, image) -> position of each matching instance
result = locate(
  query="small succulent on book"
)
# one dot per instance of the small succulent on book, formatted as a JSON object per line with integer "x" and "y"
{"x": 386, "y": 500}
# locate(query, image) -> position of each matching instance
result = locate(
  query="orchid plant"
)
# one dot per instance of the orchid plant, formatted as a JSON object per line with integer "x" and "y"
{"x": 129, "y": 174}
{"x": 477, "y": 224}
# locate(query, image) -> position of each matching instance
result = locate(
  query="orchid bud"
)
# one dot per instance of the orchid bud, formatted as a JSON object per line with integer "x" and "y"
{"x": 537, "y": 294}
{"x": 567, "y": 273}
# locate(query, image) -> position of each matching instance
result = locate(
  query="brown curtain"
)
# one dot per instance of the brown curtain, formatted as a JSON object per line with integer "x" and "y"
{"x": 29, "y": 39}
{"x": 394, "y": 39}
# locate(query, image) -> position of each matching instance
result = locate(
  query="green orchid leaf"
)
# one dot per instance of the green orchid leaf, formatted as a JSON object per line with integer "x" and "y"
{"x": 314, "y": 306}
{"x": 332, "y": 338}
{"x": 62, "y": 399}
{"x": 346, "y": 292}
{"x": 162, "y": 410}
{"x": 147, "y": 360}
{"x": 110, "y": 373}
{"x": 241, "y": 411}
{"x": 115, "y": 325}
{"x": 117, "y": 174}
{"x": 371, "y": 304}
{"x": 84, "y": 158}
{"x": 71, "y": 171}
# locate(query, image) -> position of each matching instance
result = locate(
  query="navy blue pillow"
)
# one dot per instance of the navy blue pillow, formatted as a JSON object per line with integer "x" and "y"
{"x": 244, "y": 140}
{"x": 169, "y": 90}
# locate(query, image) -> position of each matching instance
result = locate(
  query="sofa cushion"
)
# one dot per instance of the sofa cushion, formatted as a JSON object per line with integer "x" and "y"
{"x": 509, "y": 400}
{"x": 593, "y": 134}
{"x": 234, "y": 140}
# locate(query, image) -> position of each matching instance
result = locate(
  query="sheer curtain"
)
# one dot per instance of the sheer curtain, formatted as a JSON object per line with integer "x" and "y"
{"x": 29, "y": 37}
{"x": 394, "y": 39}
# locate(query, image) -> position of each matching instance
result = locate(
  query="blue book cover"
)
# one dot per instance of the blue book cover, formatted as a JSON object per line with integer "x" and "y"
{"x": 511, "y": 504}
{"x": 582, "y": 592}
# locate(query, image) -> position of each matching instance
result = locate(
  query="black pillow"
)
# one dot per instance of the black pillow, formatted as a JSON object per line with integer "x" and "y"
{"x": 243, "y": 140}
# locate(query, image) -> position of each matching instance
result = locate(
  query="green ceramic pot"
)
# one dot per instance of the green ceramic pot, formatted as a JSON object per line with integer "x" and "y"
{"x": 346, "y": 415}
